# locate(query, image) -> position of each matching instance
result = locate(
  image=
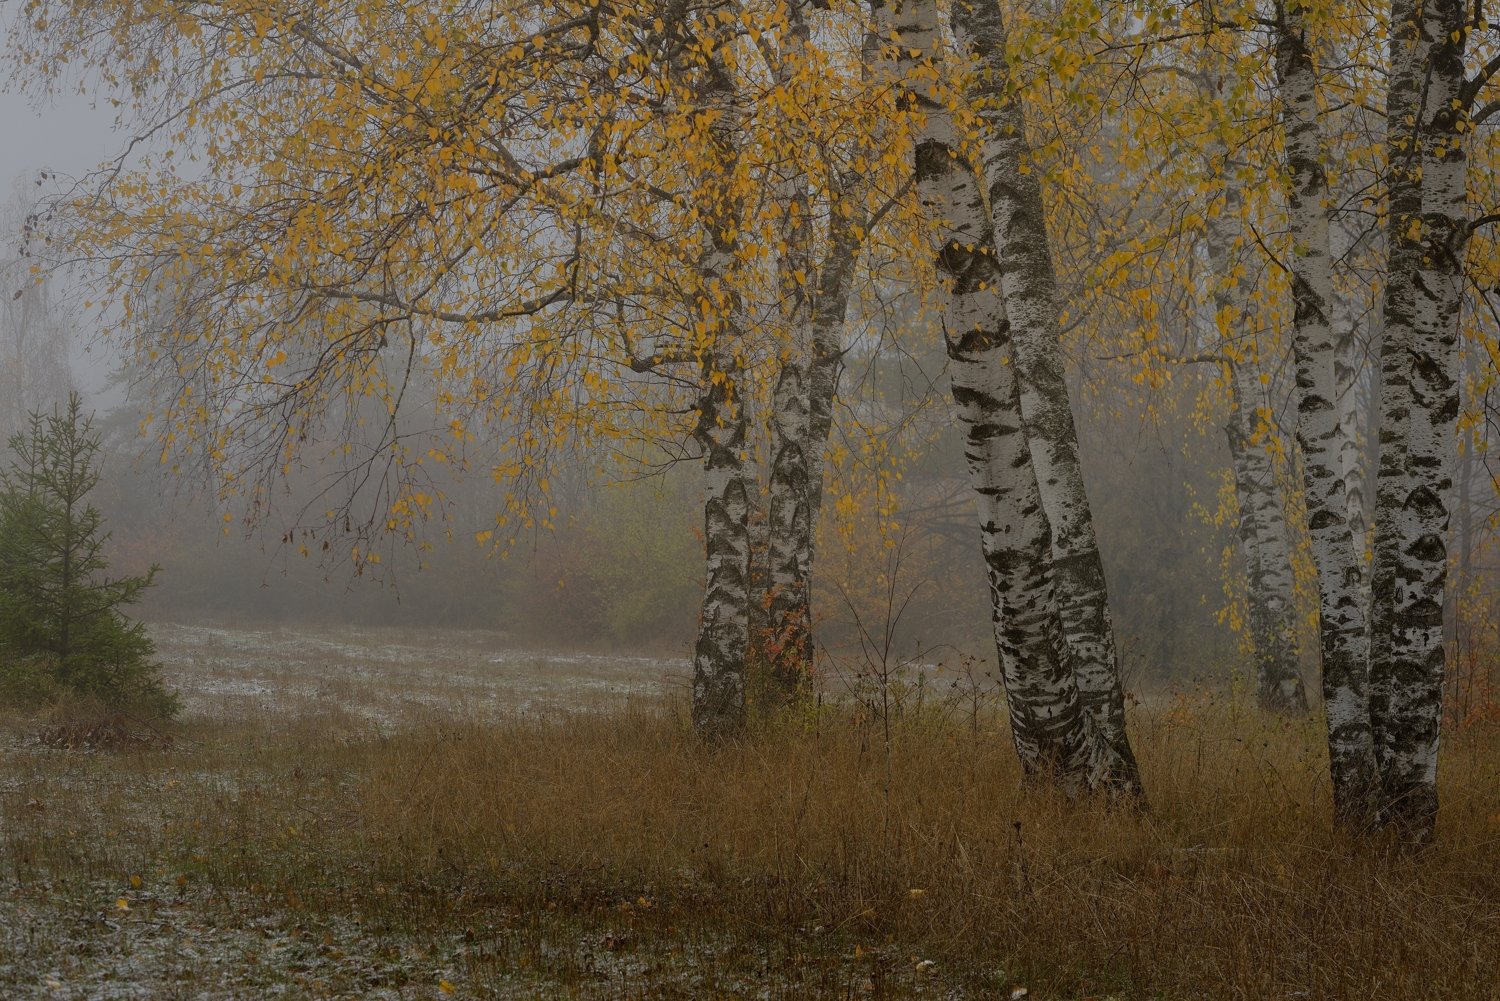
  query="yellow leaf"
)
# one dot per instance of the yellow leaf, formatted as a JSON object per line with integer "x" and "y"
{"x": 445, "y": 987}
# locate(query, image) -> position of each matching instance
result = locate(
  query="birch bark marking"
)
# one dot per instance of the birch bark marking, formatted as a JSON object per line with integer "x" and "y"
{"x": 1052, "y": 733}
{"x": 718, "y": 702}
{"x": 1353, "y": 418}
{"x": 1342, "y": 634}
{"x": 1403, "y": 254}
{"x": 1028, "y": 284}
{"x": 803, "y": 403}
{"x": 787, "y": 643}
{"x": 1262, "y": 507}
{"x": 1414, "y": 707}
{"x": 829, "y": 311}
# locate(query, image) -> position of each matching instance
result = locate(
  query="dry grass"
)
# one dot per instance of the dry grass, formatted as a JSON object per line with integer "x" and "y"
{"x": 606, "y": 853}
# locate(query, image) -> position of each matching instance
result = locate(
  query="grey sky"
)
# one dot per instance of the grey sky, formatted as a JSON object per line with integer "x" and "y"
{"x": 66, "y": 134}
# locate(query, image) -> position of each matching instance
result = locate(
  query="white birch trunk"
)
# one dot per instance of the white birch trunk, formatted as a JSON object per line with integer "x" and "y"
{"x": 718, "y": 704}
{"x": 1353, "y": 418}
{"x": 1320, "y": 435}
{"x": 1053, "y": 736}
{"x": 802, "y": 407}
{"x": 785, "y": 642}
{"x": 1403, "y": 256}
{"x": 1028, "y": 285}
{"x": 1413, "y": 712}
{"x": 718, "y": 701}
{"x": 829, "y": 311}
{"x": 1269, "y": 591}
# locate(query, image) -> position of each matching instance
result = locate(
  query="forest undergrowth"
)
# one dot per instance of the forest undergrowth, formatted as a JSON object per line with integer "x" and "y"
{"x": 609, "y": 853}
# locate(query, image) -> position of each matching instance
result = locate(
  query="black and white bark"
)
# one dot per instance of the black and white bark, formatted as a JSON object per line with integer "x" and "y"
{"x": 1354, "y": 414}
{"x": 786, "y": 638}
{"x": 1053, "y": 735}
{"x": 1028, "y": 285}
{"x": 1262, "y": 529}
{"x": 813, "y": 304}
{"x": 1403, "y": 255}
{"x": 719, "y": 656}
{"x": 1434, "y": 240}
{"x": 718, "y": 698}
{"x": 1320, "y": 434}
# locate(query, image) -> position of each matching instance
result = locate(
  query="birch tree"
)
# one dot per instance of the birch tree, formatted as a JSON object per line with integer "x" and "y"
{"x": 816, "y": 275}
{"x": 1263, "y": 530}
{"x": 1049, "y": 726}
{"x": 1028, "y": 286}
{"x": 1320, "y": 433}
{"x": 1428, "y": 114}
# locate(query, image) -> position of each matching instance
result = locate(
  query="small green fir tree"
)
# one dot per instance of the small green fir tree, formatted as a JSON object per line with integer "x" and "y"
{"x": 61, "y": 625}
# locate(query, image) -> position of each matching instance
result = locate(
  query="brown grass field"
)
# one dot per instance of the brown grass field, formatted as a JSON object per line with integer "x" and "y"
{"x": 435, "y": 815}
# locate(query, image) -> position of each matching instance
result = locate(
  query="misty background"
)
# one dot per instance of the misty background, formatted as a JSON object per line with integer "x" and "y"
{"x": 621, "y": 567}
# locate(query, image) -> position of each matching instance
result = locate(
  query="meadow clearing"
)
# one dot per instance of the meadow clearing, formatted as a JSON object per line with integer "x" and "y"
{"x": 397, "y": 814}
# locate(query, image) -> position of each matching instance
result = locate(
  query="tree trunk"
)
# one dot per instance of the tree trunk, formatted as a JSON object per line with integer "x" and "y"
{"x": 830, "y": 307}
{"x": 1052, "y": 734}
{"x": 1262, "y": 505}
{"x": 1320, "y": 435}
{"x": 1028, "y": 284}
{"x": 1403, "y": 254}
{"x": 785, "y": 641}
{"x": 719, "y": 656}
{"x": 1354, "y": 419}
{"x": 1416, "y": 663}
{"x": 718, "y": 702}
{"x": 814, "y": 300}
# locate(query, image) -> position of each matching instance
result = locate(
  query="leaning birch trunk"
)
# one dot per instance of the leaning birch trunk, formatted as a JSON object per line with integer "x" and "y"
{"x": 1053, "y": 736}
{"x": 1269, "y": 591}
{"x": 1028, "y": 284}
{"x": 829, "y": 310}
{"x": 1413, "y": 712}
{"x": 1320, "y": 435}
{"x": 800, "y": 429}
{"x": 815, "y": 315}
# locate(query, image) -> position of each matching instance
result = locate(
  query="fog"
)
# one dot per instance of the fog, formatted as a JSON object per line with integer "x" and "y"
{"x": 621, "y": 568}
{"x": 1157, "y": 474}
